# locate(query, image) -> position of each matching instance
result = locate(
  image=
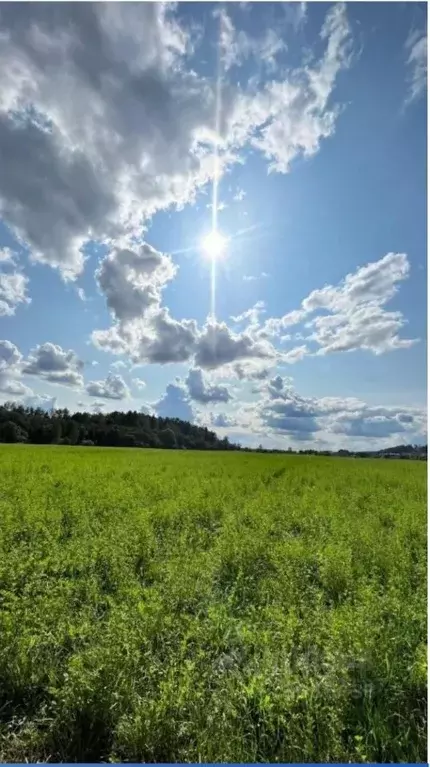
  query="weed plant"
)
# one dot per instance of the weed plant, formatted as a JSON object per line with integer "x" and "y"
{"x": 174, "y": 606}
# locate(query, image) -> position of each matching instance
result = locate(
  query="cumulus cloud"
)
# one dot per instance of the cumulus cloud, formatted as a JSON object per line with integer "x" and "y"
{"x": 112, "y": 387}
{"x": 103, "y": 114}
{"x": 132, "y": 280}
{"x": 379, "y": 422}
{"x": 277, "y": 386}
{"x": 282, "y": 410}
{"x": 221, "y": 420}
{"x": 14, "y": 387}
{"x": 101, "y": 104}
{"x": 54, "y": 364}
{"x": 202, "y": 391}
{"x": 286, "y": 411}
{"x": 218, "y": 346}
{"x": 355, "y": 317}
{"x": 174, "y": 404}
{"x": 13, "y": 291}
{"x": 10, "y": 370}
{"x": 251, "y": 371}
{"x": 177, "y": 400}
{"x": 144, "y": 329}
{"x": 10, "y": 356}
{"x": 99, "y": 101}
{"x": 416, "y": 62}
{"x": 167, "y": 340}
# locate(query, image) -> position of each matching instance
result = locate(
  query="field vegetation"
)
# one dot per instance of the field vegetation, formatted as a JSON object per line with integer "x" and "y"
{"x": 186, "y": 606}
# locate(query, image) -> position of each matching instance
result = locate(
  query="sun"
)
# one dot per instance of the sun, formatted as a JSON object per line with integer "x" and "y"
{"x": 214, "y": 244}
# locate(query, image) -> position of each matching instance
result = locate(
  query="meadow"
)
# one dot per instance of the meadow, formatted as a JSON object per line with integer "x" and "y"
{"x": 184, "y": 606}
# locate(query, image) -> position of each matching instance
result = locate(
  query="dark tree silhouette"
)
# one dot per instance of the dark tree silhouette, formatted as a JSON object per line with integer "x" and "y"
{"x": 117, "y": 429}
{"x": 133, "y": 429}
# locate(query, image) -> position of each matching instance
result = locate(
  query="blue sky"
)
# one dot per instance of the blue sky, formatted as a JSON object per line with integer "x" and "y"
{"x": 108, "y": 134}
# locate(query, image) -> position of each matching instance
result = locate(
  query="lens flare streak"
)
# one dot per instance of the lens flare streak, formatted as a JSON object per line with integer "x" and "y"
{"x": 215, "y": 179}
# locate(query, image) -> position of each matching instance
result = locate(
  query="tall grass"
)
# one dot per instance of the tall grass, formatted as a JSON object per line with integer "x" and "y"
{"x": 165, "y": 606}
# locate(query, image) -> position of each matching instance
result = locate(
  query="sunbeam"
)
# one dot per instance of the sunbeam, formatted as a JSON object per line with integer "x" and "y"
{"x": 213, "y": 234}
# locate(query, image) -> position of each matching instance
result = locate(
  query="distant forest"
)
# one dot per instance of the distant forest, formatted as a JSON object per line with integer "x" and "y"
{"x": 133, "y": 429}
{"x": 117, "y": 429}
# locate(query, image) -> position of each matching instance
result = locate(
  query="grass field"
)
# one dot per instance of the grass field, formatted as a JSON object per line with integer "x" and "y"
{"x": 178, "y": 606}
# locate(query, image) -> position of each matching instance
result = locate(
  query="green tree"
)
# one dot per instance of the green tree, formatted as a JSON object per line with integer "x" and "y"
{"x": 11, "y": 432}
{"x": 167, "y": 438}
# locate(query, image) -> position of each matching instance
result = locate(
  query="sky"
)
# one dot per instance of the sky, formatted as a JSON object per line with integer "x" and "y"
{"x": 218, "y": 212}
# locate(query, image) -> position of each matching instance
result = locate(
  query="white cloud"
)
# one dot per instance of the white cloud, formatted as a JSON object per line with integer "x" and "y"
{"x": 218, "y": 346}
{"x": 354, "y": 316}
{"x": 174, "y": 404}
{"x": 295, "y": 355}
{"x": 10, "y": 356}
{"x": 238, "y": 46}
{"x": 7, "y": 256}
{"x": 112, "y": 387}
{"x": 164, "y": 340}
{"x": 240, "y": 195}
{"x": 99, "y": 101}
{"x": 222, "y": 421}
{"x": 221, "y": 206}
{"x": 98, "y": 104}
{"x": 295, "y": 14}
{"x": 283, "y": 411}
{"x": 139, "y": 383}
{"x": 357, "y": 318}
{"x": 291, "y": 117}
{"x": 379, "y": 422}
{"x": 132, "y": 280}
{"x": 416, "y": 48}
{"x": 251, "y": 371}
{"x": 10, "y": 370}
{"x": 275, "y": 325}
{"x": 54, "y": 364}
{"x": 200, "y": 390}
{"x": 13, "y": 291}
{"x": 15, "y": 388}
{"x": 251, "y": 316}
{"x": 253, "y": 278}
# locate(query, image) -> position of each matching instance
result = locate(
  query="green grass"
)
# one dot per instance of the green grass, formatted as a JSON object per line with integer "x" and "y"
{"x": 177, "y": 606}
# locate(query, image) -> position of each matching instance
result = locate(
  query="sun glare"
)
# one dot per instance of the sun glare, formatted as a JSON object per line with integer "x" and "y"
{"x": 214, "y": 245}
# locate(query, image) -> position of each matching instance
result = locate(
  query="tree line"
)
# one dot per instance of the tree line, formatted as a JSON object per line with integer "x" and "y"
{"x": 116, "y": 429}
{"x": 133, "y": 429}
